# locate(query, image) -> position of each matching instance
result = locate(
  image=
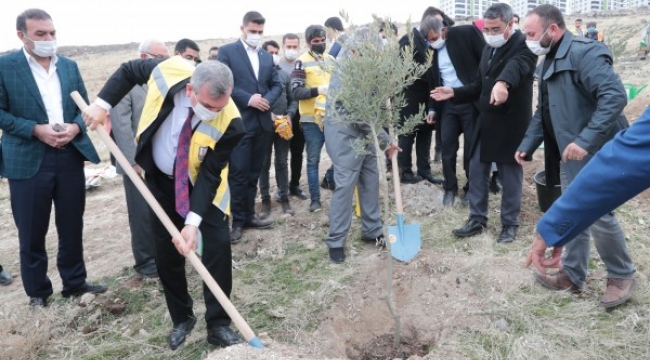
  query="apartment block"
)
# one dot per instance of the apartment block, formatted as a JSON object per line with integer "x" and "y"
{"x": 466, "y": 8}
{"x": 522, "y": 7}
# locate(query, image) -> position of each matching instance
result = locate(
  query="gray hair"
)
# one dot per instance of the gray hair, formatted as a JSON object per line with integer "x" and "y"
{"x": 429, "y": 24}
{"x": 501, "y": 11}
{"x": 361, "y": 37}
{"x": 145, "y": 46}
{"x": 215, "y": 75}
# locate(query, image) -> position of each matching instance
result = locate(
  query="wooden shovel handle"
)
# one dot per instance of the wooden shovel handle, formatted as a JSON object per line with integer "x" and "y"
{"x": 396, "y": 180}
{"x": 230, "y": 309}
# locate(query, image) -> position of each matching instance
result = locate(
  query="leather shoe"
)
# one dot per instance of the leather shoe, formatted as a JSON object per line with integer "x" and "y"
{"x": 84, "y": 289}
{"x": 508, "y": 234}
{"x": 235, "y": 234}
{"x": 259, "y": 224}
{"x": 377, "y": 241}
{"x": 286, "y": 207}
{"x": 410, "y": 178}
{"x": 222, "y": 336}
{"x": 471, "y": 228}
{"x": 337, "y": 255}
{"x": 557, "y": 282}
{"x": 618, "y": 292}
{"x": 5, "y": 278}
{"x": 297, "y": 192}
{"x": 432, "y": 179}
{"x": 327, "y": 185}
{"x": 148, "y": 271}
{"x": 448, "y": 198}
{"x": 180, "y": 332}
{"x": 38, "y": 301}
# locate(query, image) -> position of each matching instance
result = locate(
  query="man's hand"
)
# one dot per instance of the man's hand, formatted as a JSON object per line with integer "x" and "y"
{"x": 573, "y": 152}
{"x": 431, "y": 118}
{"x": 51, "y": 137}
{"x": 258, "y": 102}
{"x": 520, "y": 157}
{"x": 189, "y": 234}
{"x": 499, "y": 93}
{"x": 94, "y": 115}
{"x": 442, "y": 93}
{"x": 393, "y": 147}
{"x": 71, "y": 130}
{"x": 537, "y": 256}
{"x": 322, "y": 90}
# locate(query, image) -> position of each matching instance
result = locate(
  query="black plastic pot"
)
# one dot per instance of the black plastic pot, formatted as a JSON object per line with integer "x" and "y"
{"x": 545, "y": 196}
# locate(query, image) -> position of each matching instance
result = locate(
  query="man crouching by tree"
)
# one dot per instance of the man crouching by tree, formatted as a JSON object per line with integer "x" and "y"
{"x": 355, "y": 162}
{"x": 189, "y": 127}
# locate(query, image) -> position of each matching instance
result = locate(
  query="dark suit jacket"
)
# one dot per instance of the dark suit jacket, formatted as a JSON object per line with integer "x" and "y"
{"x": 22, "y": 108}
{"x": 125, "y": 117}
{"x": 267, "y": 84}
{"x": 137, "y": 72}
{"x": 501, "y": 128}
{"x": 465, "y": 44}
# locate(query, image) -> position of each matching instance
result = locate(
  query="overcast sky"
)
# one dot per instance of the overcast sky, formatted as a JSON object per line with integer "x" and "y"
{"x": 85, "y": 22}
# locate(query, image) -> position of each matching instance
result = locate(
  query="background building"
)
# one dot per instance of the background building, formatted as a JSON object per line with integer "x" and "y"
{"x": 465, "y": 8}
{"x": 585, "y": 6}
{"x": 522, "y": 7}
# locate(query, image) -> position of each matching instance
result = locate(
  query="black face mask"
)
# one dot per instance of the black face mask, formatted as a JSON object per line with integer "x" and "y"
{"x": 318, "y": 48}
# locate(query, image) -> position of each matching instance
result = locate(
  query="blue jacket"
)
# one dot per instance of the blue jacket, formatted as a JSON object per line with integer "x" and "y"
{"x": 22, "y": 108}
{"x": 617, "y": 173}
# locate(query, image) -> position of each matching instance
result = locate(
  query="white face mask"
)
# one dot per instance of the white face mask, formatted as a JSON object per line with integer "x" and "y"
{"x": 253, "y": 39}
{"x": 276, "y": 59}
{"x": 495, "y": 41}
{"x": 537, "y": 48}
{"x": 438, "y": 44}
{"x": 291, "y": 54}
{"x": 515, "y": 27}
{"x": 191, "y": 62}
{"x": 202, "y": 112}
{"x": 44, "y": 48}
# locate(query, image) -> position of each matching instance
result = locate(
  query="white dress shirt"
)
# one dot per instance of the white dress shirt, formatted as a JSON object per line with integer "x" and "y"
{"x": 447, "y": 70}
{"x": 254, "y": 57}
{"x": 49, "y": 86}
{"x": 165, "y": 141}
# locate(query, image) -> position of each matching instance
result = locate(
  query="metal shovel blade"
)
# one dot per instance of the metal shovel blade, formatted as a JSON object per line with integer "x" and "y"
{"x": 404, "y": 240}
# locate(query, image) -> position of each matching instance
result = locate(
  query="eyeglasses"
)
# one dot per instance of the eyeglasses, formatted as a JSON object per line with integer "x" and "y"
{"x": 158, "y": 56}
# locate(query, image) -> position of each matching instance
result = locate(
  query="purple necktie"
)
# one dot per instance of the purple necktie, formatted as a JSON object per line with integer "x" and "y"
{"x": 181, "y": 174}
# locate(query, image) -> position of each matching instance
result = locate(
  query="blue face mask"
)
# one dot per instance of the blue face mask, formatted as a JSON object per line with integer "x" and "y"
{"x": 591, "y": 30}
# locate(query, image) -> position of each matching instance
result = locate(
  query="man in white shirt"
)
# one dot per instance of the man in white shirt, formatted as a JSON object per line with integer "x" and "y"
{"x": 44, "y": 146}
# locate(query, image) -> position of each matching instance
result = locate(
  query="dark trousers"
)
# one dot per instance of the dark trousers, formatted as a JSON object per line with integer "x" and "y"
{"x": 142, "y": 234}
{"x": 281, "y": 152}
{"x": 511, "y": 176}
{"x": 421, "y": 137}
{"x": 60, "y": 180}
{"x": 171, "y": 264}
{"x": 296, "y": 147}
{"x": 246, "y": 162}
{"x": 456, "y": 119}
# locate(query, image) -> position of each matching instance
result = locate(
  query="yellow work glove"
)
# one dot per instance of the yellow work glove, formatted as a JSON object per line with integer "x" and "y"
{"x": 319, "y": 111}
{"x": 283, "y": 128}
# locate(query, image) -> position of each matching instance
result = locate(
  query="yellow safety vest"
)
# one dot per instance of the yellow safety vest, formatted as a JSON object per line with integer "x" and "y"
{"x": 312, "y": 110}
{"x": 167, "y": 74}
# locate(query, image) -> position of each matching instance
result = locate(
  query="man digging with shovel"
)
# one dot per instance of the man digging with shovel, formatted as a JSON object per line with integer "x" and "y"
{"x": 187, "y": 131}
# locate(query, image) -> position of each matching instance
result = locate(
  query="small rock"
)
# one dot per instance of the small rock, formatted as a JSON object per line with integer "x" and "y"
{"x": 310, "y": 246}
{"x": 88, "y": 329}
{"x": 143, "y": 333}
{"x": 502, "y": 324}
{"x": 86, "y": 299}
{"x": 115, "y": 309}
{"x": 265, "y": 338}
